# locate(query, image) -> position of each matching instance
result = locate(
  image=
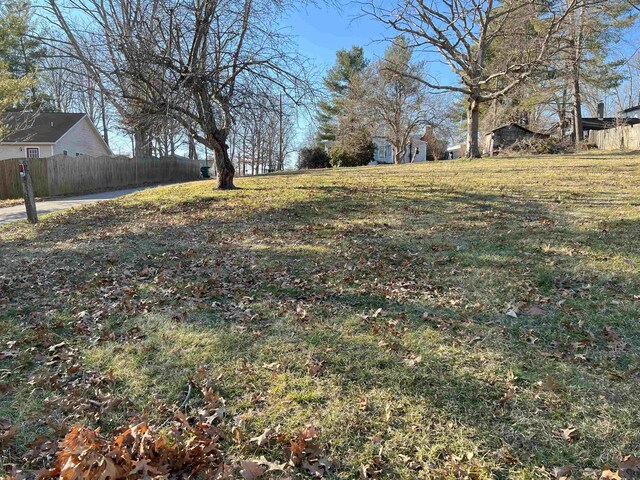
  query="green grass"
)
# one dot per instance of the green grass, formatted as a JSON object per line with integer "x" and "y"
{"x": 247, "y": 289}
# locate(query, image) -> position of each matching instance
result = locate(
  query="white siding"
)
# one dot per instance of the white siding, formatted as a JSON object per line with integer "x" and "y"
{"x": 422, "y": 151}
{"x": 82, "y": 138}
{"x": 20, "y": 150}
{"x": 384, "y": 151}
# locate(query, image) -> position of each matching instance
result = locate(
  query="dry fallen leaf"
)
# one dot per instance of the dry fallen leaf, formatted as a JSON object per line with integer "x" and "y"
{"x": 562, "y": 473}
{"x": 271, "y": 466}
{"x": 251, "y": 470}
{"x": 535, "y": 310}
{"x": 610, "y": 475}
{"x": 7, "y": 434}
{"x": 570, "y": 434}
{"x": 315, "y": 367}
{"x": 263, "y": 439}
{"x": 629, "y": 466}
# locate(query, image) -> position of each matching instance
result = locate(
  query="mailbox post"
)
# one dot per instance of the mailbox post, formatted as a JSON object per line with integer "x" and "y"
{"x": 27, "y": 192}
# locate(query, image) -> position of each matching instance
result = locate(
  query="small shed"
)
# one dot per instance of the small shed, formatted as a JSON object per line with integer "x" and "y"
{"x": 507, "y": 135}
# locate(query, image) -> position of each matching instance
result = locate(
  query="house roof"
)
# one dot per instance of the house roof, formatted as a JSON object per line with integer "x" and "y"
{"x": 589, "y": 123}
{"x": 631, "y": 109}
{"x": 38, "y": 127}
{"x": 525, "y": 129}
{"x": 512, "y": 125}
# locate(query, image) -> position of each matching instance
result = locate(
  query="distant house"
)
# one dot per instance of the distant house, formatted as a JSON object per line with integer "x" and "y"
{"x": 456, "y": 151}
{"x": 633, "y": 112}
{"x": 507, "y": 135}
{"x": 416, "y": 150}
{"x": 383, "y": 154}
{"x": 595, "y": 124}
{"x": 43, "y": 135}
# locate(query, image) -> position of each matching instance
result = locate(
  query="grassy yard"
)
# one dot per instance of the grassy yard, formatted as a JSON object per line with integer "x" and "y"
{"x": 466, "y": 319}
{"x": 10, "y": 202}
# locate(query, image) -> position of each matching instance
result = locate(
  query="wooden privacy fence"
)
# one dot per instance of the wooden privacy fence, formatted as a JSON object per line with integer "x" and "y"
{"x": 626, "y": 137}
{"x": 64, "y": 175}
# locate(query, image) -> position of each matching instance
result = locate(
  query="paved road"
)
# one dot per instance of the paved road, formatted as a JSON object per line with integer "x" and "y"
{"x": 15, "y": 213}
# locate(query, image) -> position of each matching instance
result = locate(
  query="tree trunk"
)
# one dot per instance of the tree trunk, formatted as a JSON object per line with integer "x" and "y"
{"x": 193, "y": 153}
{"x": 473, "y": 127}
{"x": 577, "y": 108}
{"x": 103, "y": 111}
{"x": 224, "y": 165}
{"x": 143, "y": 146}
{"x": 562, "y": 113}
{"x": 575, "y": 79}
{"x": 397, "y": 156}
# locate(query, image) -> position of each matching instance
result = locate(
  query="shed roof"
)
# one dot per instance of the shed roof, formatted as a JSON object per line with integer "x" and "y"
{"x": 517, "y": 125}
{"x": 42, "y": 127}
{"x": 590, "y": 123}
{"x": 502, "y": 127}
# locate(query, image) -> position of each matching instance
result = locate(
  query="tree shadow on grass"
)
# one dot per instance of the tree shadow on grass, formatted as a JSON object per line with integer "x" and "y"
{"x": 303, "y": 283}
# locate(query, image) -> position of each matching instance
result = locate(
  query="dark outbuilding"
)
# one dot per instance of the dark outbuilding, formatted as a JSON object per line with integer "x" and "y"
{"x": 507, "y": 135}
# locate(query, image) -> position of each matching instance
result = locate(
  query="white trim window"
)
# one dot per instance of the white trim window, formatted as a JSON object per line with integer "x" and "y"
{"x": 32, "y": 152}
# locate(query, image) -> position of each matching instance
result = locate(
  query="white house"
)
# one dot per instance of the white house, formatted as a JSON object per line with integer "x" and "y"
{"x": 416, "y": 150}
{"x": 40, "y": 135}
{"x": 456, "y": 151}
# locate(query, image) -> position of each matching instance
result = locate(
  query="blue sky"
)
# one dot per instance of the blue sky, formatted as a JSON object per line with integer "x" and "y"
{"x": 322, "y": 30}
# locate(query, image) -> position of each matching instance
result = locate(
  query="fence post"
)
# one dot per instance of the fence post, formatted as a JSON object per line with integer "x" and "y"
{"x": 27, "y": 192}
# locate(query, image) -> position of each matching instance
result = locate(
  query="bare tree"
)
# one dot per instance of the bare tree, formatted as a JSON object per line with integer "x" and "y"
{"x": 195, "y": 61}
{"x": 264, "y": 134}
{"x": 462, "y": 33}
{"x": 592, "y": 29}
{"x": 396, "y": 98}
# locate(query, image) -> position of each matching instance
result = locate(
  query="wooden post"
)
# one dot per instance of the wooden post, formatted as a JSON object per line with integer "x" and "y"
{"x": 27, "y": 192}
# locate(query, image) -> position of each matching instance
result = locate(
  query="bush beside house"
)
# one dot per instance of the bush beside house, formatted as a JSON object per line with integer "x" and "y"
{"x": 314, "y": 157}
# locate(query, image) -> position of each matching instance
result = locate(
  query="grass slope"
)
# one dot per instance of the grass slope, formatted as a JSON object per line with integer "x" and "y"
{"x": 433, "y": 321}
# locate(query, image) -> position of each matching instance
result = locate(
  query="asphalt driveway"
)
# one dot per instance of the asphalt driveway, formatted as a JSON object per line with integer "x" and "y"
{"x": 18, "y": 212}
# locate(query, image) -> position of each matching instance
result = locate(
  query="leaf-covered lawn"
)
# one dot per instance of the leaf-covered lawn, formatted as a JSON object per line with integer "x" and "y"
{"x": 465, "y": 319}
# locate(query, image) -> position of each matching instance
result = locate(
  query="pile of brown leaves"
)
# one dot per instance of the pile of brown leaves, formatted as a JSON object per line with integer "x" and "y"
{"x": 190, "y": 448}
{"x": 140, "y": 453}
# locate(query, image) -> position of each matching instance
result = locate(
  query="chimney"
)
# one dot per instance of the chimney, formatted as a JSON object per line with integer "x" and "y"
{"x": 600, "y": 110}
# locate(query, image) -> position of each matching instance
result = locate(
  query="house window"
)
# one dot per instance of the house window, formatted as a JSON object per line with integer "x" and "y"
{"x": 65, "y": 153}
{"x": 33, "y": 152}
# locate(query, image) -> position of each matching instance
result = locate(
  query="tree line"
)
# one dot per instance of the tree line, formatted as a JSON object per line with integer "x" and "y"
{"x": 217, "y": 75}
{"x": 517, "y": 56}
{"x": 220, "y": 75}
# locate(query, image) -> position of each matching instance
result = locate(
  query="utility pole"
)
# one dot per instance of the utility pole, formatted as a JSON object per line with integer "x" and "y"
{"x": 281, "y": 156}
{"x": 244, "y": 150}
{"x": 105, "y": 130}
{"x": 27, "y": 192}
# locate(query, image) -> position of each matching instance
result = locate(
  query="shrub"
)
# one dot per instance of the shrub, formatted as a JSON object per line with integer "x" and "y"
{"x": 353, "y": 149}
{"x": 315, "y": 157}
{"x": 539, "y": 146}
